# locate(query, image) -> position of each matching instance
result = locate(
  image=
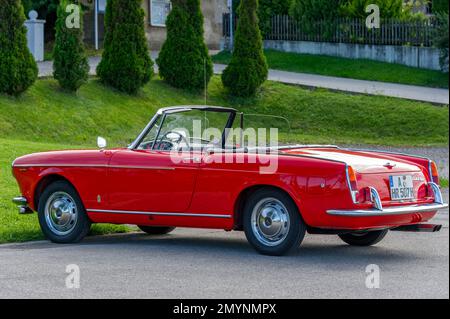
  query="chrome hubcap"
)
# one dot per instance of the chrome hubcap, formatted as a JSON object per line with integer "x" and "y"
{"x": 61, "y": 213}
{"x": 270, "y": 221}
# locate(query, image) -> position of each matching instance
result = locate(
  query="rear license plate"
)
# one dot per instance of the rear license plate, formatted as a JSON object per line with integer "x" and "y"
{"x": 401, "y": 187}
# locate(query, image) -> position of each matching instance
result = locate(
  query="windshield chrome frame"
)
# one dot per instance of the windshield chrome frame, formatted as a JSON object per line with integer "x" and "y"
{"x": 180, "y": 109}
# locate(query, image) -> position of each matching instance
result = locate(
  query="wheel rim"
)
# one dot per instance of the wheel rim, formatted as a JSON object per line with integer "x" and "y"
{"x": 270, "y": 222}
{"x": 61, "y": 213}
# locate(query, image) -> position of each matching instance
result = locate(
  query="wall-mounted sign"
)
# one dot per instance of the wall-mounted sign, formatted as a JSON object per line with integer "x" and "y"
{"x": 159, "y": 10}
{"x": 101, "y": 6}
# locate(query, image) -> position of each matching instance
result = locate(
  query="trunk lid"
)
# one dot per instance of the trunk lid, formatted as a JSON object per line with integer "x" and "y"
{"x": 362, "y": 162}
{"x": 372, "y": 170}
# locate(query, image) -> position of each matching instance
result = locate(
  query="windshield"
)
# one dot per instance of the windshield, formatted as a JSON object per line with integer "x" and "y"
{"x": 192, "y": 129}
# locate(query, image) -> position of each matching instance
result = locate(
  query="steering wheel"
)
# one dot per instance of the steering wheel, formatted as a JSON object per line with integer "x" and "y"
{"x": 181, "y": 138}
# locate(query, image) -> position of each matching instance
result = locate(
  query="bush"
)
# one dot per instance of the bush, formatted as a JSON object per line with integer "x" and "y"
{"x": 267, "y": 9}
{"x": 126, "y": 64}
{"x": 441, "y": 39}
{"x": 18, "y": 70}
{"x": 248, "y": 66}
{"x": 440, "y": 6}
{"x": 311, "y": 12}
{"x": 388, "y": 8}
{"x": 184, "y": 61}
{"x": 70, "y": 66}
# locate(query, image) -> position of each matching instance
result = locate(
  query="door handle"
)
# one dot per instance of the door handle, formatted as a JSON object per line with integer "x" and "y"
{"x": 195, "y": 159}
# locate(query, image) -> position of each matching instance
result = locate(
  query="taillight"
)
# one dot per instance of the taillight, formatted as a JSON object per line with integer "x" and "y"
{"x": 351, "y": 179}
{"x": 434, "y": 173}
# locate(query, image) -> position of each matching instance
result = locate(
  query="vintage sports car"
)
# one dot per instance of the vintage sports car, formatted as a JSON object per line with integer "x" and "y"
{"x": 358, "y": 195}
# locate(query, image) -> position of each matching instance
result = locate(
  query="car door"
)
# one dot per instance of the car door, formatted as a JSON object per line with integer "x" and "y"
{"x": 150, "y": 181}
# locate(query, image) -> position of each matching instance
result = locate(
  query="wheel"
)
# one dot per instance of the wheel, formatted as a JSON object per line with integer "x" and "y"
{"x": 272, "y": 222}
{"x": 61, "y": 214}
{"x": 364, "y": 238}
{"x": 153, "y": 230}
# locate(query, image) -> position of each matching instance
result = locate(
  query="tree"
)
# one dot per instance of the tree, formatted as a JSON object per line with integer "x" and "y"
{"x": 18, "y": 70}
{"x": 440, "y": 6}
{"x": 184, "y": 61}
{"x": 126, "y": 63}
{"x": 248, "y": 66}
{"x": 268, "y": 9}
{"x": 310, "y": 13}
{"x": 441, "y": 39}
{"x": 388, "y": 8}
{"x": 70, "y": 66}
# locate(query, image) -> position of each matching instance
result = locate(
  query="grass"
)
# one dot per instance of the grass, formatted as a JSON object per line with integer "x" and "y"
{"x": 47, "y": 114}
{"x": 349, "y": 68}
{"x": 46, "y": 118}
{"x": 444, "y": 183}
{"x": 15, "y": 227}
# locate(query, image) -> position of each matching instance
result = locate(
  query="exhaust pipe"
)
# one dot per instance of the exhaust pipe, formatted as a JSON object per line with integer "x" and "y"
{"x": 420, "y": 228}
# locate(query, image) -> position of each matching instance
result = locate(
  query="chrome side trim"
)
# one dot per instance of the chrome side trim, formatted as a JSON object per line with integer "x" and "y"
{"x": 144, "y": 167}
{"x": 401, "y": 210}
{"x": 127, "y": 212}
{"x": 61, "y": 165}
{"x": 98, "y": 166}
{"x": 383, "y": 151}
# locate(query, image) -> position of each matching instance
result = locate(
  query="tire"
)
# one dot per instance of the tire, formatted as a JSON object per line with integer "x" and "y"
{"x": 154, "y": 230}
{"x": 272, "y": 222}
{"x": 364, "y": 239}
{"x": 61, "y": 214}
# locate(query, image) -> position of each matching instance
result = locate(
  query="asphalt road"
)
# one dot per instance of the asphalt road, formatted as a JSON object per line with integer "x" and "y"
{"x": 215, "y": 264}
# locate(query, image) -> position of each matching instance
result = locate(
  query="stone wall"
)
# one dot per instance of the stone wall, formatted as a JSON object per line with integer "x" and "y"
{"x": 420, "y": 57}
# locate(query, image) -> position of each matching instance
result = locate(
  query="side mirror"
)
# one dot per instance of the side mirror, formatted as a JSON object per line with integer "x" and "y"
{"x": 101, "y": 142}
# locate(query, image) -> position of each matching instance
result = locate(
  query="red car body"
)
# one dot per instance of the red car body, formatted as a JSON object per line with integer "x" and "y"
{"x": 144, "y": 187}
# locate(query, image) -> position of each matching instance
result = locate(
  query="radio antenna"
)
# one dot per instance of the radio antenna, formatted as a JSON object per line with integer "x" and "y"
{"x": 206, "y": 84}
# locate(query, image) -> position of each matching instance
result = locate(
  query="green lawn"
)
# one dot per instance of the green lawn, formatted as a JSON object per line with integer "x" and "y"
{"x": 46, "y": 114}
{"x": 349, "y": 68}
{"x": 46, "y": 118}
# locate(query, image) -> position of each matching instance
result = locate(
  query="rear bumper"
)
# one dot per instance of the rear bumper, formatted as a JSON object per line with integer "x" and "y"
{"x": 401, "y": 210}
{"x": 379, "y": 210}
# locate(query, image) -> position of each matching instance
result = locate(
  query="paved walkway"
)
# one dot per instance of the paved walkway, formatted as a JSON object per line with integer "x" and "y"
{"x": 418, "y": 93}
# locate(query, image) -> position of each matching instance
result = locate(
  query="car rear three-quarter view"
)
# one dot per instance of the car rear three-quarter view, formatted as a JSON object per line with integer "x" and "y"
{"x": 170, "y": 177}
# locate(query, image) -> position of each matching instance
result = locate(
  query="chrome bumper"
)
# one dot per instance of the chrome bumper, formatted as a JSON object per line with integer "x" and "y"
{"x": 22, "y": 205}
{"x": 378, "y": 209}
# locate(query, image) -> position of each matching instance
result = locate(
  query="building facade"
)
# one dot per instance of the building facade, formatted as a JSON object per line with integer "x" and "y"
{"x": 156, "y": 12}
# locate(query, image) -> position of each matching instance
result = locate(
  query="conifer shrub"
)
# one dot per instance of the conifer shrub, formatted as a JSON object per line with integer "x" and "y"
{"x": 248, "y": 68}
{"x": 18, "y": 70}
{"x": 184, "y": 61}
{"x": 70, "y": 65}
{"x": 126, "y": 64}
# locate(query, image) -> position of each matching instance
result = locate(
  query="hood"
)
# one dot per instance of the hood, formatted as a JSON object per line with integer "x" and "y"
{"x": 63, "y": 158}
{"x": 361, "y": 161}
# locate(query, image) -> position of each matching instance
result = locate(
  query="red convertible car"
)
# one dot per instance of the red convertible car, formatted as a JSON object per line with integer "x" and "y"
{"x": 358, "y": 195}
